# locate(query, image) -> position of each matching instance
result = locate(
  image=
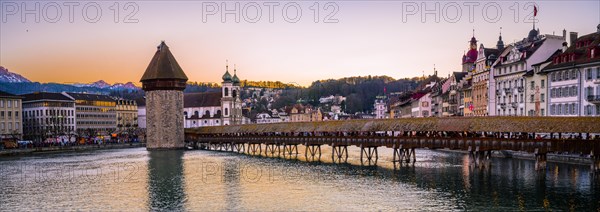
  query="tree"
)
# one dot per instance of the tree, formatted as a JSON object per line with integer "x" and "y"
{"x": 283, "y": 101}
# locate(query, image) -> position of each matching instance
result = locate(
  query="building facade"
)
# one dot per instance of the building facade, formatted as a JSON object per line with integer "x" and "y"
{"x": 574, "y": 77}
{"x": 48, "y": 115}
{"x": 127, "y": 115}
{"x": 141, "y": 111}
{"x": 95, "y": 114}
{"x": 10, "y": 117}
{"x": 514, "y": 63}
{"x": 536, "y": 90}
{"x": 481, "y": 76}
{"x": 380, "y": 107}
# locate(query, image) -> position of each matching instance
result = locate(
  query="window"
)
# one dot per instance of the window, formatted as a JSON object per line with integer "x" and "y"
{"x": 589, "y": 91}
{"x": 560, "y": 75}
{"x": 542, "y": 112}
{"x": 597, "y": 72}
{"x": 567, "y": 75}
{"x": 532, "y": 85}
{"x": 559, "y": 109}
{"x": 226, "y": 111}
{"x": 531, "y": 98}
{"x": 543, "y": 84}
{"x": 588, "y": 110}
{"x": 521, "y": 98}
{"x": 16, "y": 104}
{"x": 542, "y": 97}
{"x": 1, "y": 103}
{"x": 588, "y": 73}
{"x": 226, "y": 91}
{"x": 8, "y": 103}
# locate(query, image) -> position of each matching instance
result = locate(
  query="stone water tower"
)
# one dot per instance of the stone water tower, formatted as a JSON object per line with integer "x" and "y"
{"x": 164, "y": 82}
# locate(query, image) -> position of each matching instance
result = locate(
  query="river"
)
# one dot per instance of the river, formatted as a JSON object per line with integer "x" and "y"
{"x": 138, "y": 180}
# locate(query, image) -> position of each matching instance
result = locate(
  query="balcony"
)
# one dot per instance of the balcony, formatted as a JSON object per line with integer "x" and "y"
{"x": 507, "y": 90}
{"x": 520, "y": 89}
{"x": 515, "y": 105}
{"x": 595, "y": 99}
{"x": 452, "y": 101}
{"x": 498, "y": 92}
{"x": 503, "y": 105}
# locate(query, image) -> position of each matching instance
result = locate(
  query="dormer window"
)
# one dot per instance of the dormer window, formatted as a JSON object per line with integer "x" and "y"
{"x": 592, "y": 53}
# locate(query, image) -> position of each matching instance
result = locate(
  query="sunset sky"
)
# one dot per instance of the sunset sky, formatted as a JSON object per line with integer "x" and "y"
{"x": 369, "y": 38}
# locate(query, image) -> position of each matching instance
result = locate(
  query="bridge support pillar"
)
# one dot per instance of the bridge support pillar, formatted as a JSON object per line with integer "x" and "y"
{"x": 339, "y": 153}
{"x": 238, "y": 147}
{"x": 403, "y": 154}
{"x": 595, "y": 167}
{"x": 227, "y": 147}
{"x": 254, "y": 149}
{"x": 271, "y": 149}
{"x": 368, "y": 155}
{"x": 291, "y": 150}
{"x": 312, "y": 152}
{"x": 479, "y": 157}
{"x": 540, "y": 159}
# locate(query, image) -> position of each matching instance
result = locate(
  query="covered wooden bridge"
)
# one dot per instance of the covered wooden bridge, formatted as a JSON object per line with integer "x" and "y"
{"x": 477, "y": 135}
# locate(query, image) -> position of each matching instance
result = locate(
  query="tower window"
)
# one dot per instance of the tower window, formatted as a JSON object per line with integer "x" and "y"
{"x": 226, "y": 111}
{"x": 226, "y": 91}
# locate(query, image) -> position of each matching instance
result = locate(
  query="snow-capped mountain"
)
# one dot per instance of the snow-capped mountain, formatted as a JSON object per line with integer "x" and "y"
{"x": 102, "y": 84}
{"x": 129, "y": 86}
{"x": 7, "y": 76}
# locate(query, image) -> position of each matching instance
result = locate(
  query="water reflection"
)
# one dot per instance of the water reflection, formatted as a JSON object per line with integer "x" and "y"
{"x": 165, "y": 180}
{"x": 134, "y": 179}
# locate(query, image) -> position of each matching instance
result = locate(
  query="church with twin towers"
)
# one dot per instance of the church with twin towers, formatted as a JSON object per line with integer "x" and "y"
{"x": 216, "y": 108}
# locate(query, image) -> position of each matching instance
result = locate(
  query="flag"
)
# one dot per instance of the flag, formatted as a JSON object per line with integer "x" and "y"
{"x": 534, "y": 10}
{"x": 471, "y": 106}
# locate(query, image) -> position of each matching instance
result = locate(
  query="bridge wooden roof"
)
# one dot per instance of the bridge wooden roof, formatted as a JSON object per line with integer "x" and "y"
{"x": 459, "y": 124}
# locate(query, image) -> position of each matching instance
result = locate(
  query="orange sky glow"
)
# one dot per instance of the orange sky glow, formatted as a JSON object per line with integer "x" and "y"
{"x": 369, "y": 38}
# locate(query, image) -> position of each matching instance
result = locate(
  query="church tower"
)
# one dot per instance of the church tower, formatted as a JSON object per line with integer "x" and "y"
{"x": 227, "y": 97}
{"x": 164, "y": 82}
{"x": 470, "y": 57}
{"x": 236, "y": 110}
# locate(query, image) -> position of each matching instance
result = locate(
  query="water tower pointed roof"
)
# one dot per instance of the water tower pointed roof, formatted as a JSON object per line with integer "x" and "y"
{"x": 163, "y": 66}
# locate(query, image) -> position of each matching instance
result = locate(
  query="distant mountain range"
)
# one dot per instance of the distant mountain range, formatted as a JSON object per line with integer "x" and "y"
{"x": 7, "y": 76}
{"x": 17, "y": 84}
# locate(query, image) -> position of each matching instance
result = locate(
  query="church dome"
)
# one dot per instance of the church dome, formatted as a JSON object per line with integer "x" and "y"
{"x": 471, "y": 56}
{"x": 532, "y": 35}
{"x": 235, "y": 79}
{"x": 226, "y": 77}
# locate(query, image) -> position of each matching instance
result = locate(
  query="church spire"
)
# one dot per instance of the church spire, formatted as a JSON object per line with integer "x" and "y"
{"x": 500, "y": 43}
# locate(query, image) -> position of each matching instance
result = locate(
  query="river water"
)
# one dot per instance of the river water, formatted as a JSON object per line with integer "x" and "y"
{"x": 138, "y": 180}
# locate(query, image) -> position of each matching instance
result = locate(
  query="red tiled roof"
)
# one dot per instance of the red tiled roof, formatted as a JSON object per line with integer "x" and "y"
{"x": 581, "y": 52}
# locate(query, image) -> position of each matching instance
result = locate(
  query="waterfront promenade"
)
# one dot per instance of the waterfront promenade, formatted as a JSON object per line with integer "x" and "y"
{"x": 67, "y": 148}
